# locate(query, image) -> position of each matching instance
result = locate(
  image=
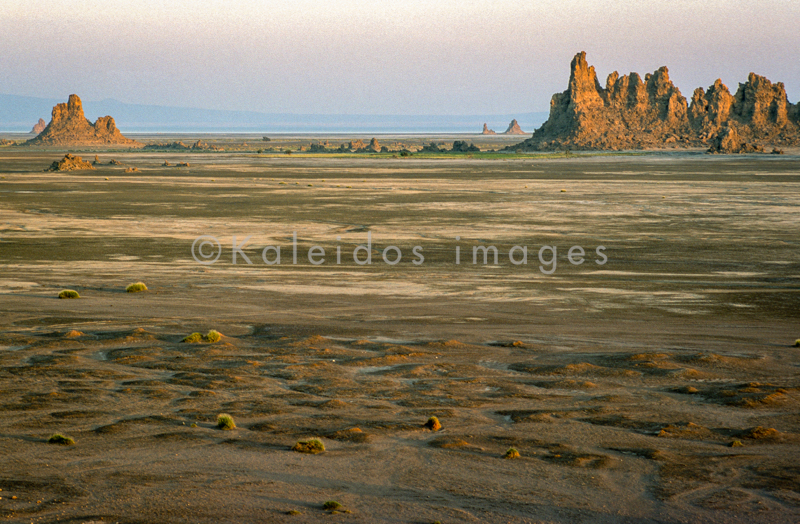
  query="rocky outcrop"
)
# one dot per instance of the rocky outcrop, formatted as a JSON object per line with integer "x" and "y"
{"x": 39, "y": 126}
{"x": 514, "y": 129}
{"x": 760, "y": 104}
{"x": 70, "y": 127}
{"x": 355, "y": 145}
{"x": 460, "y": 146}
{"x": 487, "y": 131}
{"x": 180, "y": 146}
{"x": 70, "y": 162}
{"x": 727, "y": 141}
{"x": 635, "y": 113}
{"x": 358, "y": 146}
{"x": 759, "y": 111}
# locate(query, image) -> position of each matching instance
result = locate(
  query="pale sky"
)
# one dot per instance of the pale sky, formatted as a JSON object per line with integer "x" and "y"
{"x": 382, "y": 57}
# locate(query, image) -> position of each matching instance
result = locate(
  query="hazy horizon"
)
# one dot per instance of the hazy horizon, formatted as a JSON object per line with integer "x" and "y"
{"x": 368, "y": 58}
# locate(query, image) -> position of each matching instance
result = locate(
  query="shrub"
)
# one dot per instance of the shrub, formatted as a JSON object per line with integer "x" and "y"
{"x": 512, "y": 453}
{"x": 193, "y": 338}
{"x": 225, "y": 421}
{"x": 136, "y": 287}
{"x": 312, "y": 446}
{"x": 211, "y": 336}
{"x": 433, "y": 424}
{"x": 58, "y": 438}
{"x": 69, "y": 293}
{"x": 797, "y": 343}
{"x": 331, "y": 505}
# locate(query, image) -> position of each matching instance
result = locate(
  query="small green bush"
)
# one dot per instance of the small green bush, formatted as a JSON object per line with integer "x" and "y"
{"x": 58, "y": 438}
{"x": 797, "y": 343}
{"x": 312, "y": 446}
{"x": 225, "y": 421}
{"x": 69, "y": 293}
{"x": 213, "y": 336}
{"x": 331, "y": 505}
{"x": 193, "y": 338}
{"x": 736, "y": 444}
{"x": 512, "y": 453}
{"x": 136, "y": 287}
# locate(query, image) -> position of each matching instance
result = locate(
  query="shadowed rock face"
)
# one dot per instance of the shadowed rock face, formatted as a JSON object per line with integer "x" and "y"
{"x": 632, "y": 113}
{"x": 69, "y": 126}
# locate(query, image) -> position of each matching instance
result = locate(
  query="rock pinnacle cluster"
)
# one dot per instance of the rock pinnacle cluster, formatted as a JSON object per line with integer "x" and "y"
{"x": 69, "y": 127}
{"x": 632, "y": 112}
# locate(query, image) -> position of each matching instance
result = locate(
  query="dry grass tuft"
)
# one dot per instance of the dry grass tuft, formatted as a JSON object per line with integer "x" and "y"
{"x": 60, "y": 439}
{"x": 312, "y": 446}
{"x": 433, "y": 424}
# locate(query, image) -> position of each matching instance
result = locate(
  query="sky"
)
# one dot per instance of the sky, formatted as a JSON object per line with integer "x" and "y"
{"x": 382, "y": 57}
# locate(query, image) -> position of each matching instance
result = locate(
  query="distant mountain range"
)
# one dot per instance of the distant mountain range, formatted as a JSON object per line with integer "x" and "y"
{"x": 20, "y": 113}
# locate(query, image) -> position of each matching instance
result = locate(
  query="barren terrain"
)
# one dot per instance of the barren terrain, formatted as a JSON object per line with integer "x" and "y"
{"x": 623, "y": 385}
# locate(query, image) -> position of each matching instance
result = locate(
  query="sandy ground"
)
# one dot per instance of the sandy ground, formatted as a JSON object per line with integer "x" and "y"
{"x": 623, "y": 385}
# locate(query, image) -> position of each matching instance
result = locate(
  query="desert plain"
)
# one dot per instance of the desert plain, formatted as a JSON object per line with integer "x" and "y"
{"x": 660, "y": 385}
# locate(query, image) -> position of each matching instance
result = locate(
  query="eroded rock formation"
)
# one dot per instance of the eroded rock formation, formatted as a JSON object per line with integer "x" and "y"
{"x": 70, "y": 162}
{"x": 514, "y": 129}
{"x": 70, "y": 127}
{"x": 463, "y": 147}
{"x": 355, "y": 145}
{"x": 635, "y": 113}
{"x": 759, "y": 111}
{"x": 728, "y": 141}
{"x": 39, "y": 126}
{"x": 487, "y": 131}
{"x": 180, "y": 146}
